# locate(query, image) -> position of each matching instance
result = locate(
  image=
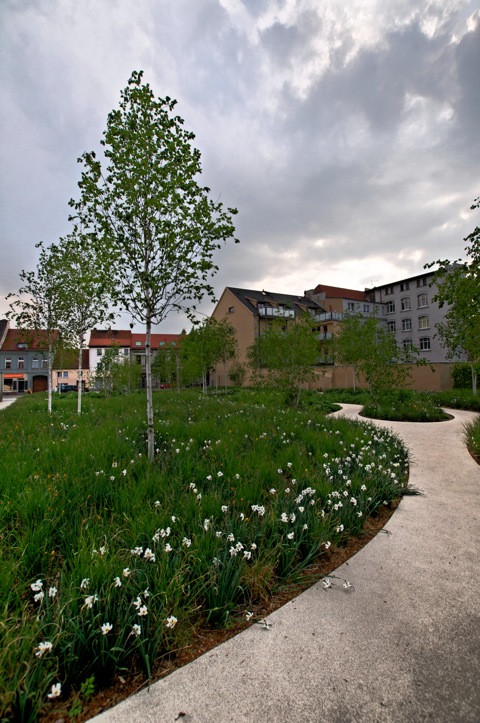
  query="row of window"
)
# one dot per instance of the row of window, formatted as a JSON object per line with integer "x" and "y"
{"x": 422, "y": 301}
{"x": 20, "y": 363}
{"x": 423, "y": 323}
{"x": 405, "y": 285}
{"x": 352, "y": 306}
{"x": 423, "y": 343}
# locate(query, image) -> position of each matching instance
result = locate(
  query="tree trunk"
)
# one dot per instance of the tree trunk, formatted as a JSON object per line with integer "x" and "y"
{"x": 49, "y": 385}
{"x": 148, "y": 384}
{"x": 79, "y": 382}
{"x": 474, "y": 379}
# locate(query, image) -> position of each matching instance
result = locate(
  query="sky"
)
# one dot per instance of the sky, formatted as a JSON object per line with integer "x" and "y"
{"x": 345, "y": 133}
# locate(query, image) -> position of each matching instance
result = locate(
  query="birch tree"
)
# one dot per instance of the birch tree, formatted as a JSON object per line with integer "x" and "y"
{"x": 36, "y": 308}
{"x": 159, "y": 227}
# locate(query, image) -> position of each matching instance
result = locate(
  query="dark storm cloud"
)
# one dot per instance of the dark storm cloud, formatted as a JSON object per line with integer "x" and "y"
{"x": 345, "y": 135}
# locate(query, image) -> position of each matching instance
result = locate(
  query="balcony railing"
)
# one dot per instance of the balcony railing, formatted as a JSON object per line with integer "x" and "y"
{"x": 329, "y": 316}
{"x": 325, "y": 336}
{"x": 274, "y": 311}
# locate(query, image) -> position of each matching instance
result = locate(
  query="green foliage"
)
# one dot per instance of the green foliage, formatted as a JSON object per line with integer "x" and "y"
{"x": 166, "y": 365}
{"x": 115, "y": 374}
{"x": 242, "y": 488}
{"x": 462, "y": 375}
{"x": 157, "y": 226}
{"x": 472, "y": 433}
{"x": 404, "y": 406}
{"x": 458, "y": 288}
{"x": 285, "y": 355}
{"x": 207, "y": 344}
{"x": 365, "y": 343}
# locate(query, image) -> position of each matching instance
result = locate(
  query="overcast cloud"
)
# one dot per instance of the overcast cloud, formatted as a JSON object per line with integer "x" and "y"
{"x": 346, "y": 134}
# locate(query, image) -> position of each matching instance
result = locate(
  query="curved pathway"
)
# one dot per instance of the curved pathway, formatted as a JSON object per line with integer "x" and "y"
{"x": 405, "y": 646}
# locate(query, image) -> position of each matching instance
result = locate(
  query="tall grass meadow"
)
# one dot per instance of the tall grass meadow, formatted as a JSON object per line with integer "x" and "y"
{"x": 110, "y": 562}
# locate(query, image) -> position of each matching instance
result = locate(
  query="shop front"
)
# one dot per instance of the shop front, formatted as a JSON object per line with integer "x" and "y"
{"x": 15, "y": 383}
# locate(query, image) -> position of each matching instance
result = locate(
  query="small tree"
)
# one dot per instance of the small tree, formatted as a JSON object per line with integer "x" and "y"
{"x": 156, "y": 223}
{"x": 37, "y": 308}
{"x": 115, "y": 373}
{"x": 366, "y": 344}
{"x": 458, "y": 286}
{"x": 86, "y": 295}
{"x": 285, "y": 356}
{"x": 205, "y": 346}
{"x": 165, "y": 364}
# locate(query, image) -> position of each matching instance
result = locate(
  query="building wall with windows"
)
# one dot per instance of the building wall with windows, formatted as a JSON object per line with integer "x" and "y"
{"x": 411, "y": 313}
{"x": 23, "y": 361}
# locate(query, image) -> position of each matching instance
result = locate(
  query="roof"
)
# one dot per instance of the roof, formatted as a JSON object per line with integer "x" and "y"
{"x": 252, "y": 297}
{"x": 337, "y": 292}
{"x": 157, "y": 340}
{"x": 110, "y": 337}
{"x": 36, "y": 340}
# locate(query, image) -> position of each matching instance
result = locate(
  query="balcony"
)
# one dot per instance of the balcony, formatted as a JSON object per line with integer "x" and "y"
{"x": 329, "y": 316}
{"x": 274, "y": 311}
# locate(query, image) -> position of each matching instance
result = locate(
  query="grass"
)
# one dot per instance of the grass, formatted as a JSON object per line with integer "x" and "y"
{"x": 110, "y": 563}
{"x": 405, "y": 405}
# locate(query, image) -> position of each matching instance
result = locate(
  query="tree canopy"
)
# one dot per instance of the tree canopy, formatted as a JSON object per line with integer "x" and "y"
{"x": 285, "y": 355}
{"x": 156, "y": 226}
{"x": 458, "y": 288}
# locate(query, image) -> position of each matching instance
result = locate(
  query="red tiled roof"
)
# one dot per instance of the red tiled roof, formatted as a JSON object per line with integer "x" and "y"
{"x": 110, "y": 337}
{"x": 336, "y": 292}
{"x": 35, "y": 339}
{"x": 158, "y": 340}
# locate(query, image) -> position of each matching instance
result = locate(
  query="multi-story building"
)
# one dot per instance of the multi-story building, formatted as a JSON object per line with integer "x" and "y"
{"x": 410, "y": 312}
{"x": 130, "y": 345}
{"x": 23, "y": 360}
{"x": 251, "y": 312}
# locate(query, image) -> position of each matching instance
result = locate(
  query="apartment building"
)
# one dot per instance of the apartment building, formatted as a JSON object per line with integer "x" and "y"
{"x": 23, "y": 360}
{"x": 408, "y": 308}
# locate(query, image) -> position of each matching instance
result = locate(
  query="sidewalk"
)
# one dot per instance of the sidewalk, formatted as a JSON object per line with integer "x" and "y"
{"x": 6, "y": 402}
{"x": 405, "y": 646}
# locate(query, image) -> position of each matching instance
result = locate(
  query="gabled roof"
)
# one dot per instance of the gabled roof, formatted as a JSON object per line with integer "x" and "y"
{"x": 36, "y": 340}
{"x": 251, "y": 298}
{"x": 337, "y": 292}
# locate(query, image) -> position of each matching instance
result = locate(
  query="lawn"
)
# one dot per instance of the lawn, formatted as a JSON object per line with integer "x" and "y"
{"x": 110, "y": 562}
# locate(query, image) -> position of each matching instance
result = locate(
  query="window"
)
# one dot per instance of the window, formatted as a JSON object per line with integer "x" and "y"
{"x": 391, "y": 326}
{"x": 8, "y": 363}
{"x": 388, "y": 290}
{"x": 366, "y": 308}
{"x": 59, "y": 374}
{"x": 231, "y": 309}
{"x": 44, "y": 363}
{"x": 422, "y": 281}
{"x": 405, "y": 286}
{"x": 423, "y": 322}
{"x": 407, "y": 343}
{"x": 390, "y": 307}
{"x": 126, "y": 351}
{"x": 424, "y": 343}
{"x": 65, "y": 375}
{"x": 35, "y": 363}
{"x": 99, "y": 352}
{"x": 22, "y": 345}
{"x": 406, "y": 324}
{"x": 138, "y": 343}
{"x": 350, "y": 305}
{"x": 406, "y": 304}
{"x": 422, "y": 300}
{"x": 21, "y": 362}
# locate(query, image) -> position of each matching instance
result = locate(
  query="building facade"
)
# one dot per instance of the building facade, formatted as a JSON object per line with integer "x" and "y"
{"x": 23, "y": 360}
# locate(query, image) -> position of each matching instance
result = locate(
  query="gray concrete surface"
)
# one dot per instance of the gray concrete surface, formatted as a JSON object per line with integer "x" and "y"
{"x": 6, "y": 402}
{"x": 404, "y": 646}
